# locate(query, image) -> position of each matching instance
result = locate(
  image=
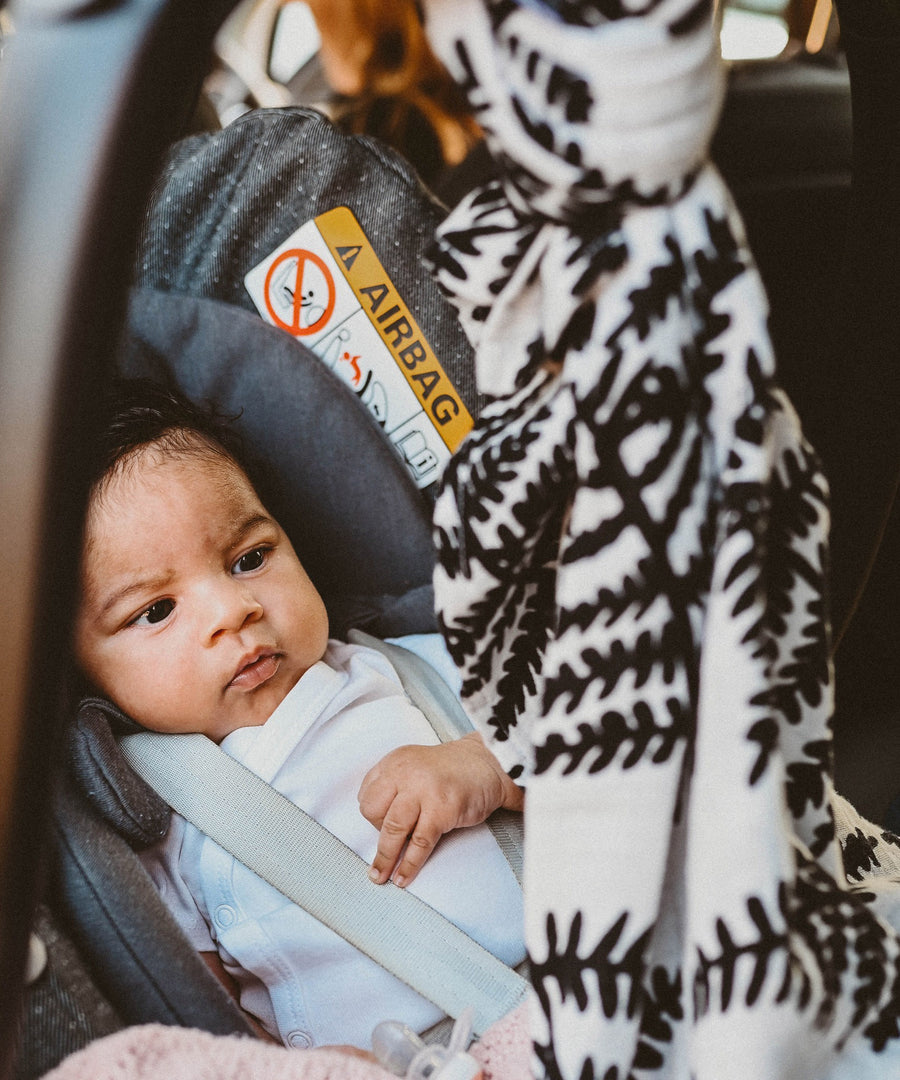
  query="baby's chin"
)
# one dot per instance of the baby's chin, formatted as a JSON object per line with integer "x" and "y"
{"x": 253, "y": 709}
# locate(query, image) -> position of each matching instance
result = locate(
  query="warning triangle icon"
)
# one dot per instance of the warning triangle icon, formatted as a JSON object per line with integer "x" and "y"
{"x": 348, "y": 253}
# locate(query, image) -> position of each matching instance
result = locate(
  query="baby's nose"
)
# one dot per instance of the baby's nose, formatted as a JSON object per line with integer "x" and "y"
{"x": 232, "y": 607}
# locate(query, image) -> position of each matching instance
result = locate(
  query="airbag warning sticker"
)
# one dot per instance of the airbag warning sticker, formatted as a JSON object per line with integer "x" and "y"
{"x": 325, "y": 285}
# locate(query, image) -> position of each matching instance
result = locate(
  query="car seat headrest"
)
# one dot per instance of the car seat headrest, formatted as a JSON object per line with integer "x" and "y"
{"x": 322, "y": 234}
{"x": 224, "y": 206}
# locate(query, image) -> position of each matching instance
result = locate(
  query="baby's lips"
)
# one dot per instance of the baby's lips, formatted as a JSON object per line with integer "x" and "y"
{"x": 255, "y": 670}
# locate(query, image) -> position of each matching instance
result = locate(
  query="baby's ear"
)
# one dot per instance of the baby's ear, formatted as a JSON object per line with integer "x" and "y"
{"x": 111, "y": 786}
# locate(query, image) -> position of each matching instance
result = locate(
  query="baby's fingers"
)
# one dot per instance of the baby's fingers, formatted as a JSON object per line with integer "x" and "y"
{"x": 420, "y": 846}
{"x": 406, "y": 838}
{"x": 391, "y": 841}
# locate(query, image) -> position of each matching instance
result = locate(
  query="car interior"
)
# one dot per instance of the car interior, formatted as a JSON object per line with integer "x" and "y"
{"x": 150, "y": 151}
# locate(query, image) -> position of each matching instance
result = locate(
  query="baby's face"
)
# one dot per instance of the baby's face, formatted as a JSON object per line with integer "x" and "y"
{"x": 195, "y": 612}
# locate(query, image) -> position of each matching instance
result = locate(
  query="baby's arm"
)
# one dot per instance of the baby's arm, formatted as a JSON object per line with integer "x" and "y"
{"x": 418, "y": 793}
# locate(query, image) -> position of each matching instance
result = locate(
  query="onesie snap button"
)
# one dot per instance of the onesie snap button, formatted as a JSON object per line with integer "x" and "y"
{"x": 300, "y": 1040}
{"x": 224, "y": 916}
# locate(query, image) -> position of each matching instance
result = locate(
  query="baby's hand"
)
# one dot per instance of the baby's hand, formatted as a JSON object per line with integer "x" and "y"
{"x": 418, "y": 793}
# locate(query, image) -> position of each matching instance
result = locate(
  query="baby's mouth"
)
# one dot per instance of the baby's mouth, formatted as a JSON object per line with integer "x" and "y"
{"x": 255, "y": 671}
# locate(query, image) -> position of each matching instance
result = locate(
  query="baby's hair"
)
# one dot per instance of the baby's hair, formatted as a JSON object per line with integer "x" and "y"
{"x": 139, "y": 413}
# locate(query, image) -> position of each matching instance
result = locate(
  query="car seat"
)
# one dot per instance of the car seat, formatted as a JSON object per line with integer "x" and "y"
{"x": 331, "y": 466}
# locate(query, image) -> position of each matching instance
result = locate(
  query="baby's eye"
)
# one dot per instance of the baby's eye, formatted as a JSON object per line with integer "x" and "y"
{"x": 156, "y": 613}
{"x": 252, "y": 560}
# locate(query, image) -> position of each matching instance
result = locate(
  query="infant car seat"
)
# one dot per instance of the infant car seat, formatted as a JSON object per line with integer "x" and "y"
{"x": 350, "y": 432}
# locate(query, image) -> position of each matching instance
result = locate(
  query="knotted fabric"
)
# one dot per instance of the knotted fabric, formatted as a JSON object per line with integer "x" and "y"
{"x": 632, "y": 570}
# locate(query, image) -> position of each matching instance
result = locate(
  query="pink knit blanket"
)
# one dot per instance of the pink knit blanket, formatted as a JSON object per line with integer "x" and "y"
{"x": 157, "y": 1052}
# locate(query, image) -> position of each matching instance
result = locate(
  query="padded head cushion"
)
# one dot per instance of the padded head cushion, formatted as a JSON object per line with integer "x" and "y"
{"x": 112, "y": 787}
{"x": 223, "y": 203}
{"x": 359, "y": 525}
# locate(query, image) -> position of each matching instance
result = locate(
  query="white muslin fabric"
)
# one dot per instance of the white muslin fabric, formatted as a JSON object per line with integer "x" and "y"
{"x": 632, "y": 571}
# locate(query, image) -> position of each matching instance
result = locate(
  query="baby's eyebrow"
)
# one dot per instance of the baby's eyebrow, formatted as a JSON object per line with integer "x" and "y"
{"x": 251, "y": 524}
{"x": 140, "y": 587}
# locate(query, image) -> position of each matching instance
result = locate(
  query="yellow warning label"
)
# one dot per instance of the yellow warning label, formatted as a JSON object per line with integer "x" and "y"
{"x": 395, "y": 324}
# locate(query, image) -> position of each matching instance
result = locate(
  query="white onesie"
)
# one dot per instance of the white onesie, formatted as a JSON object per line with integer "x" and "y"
{"x": 304, "y": 983}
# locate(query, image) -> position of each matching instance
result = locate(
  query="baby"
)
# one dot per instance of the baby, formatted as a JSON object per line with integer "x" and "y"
{"x": 195, "y": 615}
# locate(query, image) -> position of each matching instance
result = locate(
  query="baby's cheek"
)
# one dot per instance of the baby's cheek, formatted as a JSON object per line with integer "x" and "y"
{"x": 114, "y": 675}
{"x": 156, "y": 694}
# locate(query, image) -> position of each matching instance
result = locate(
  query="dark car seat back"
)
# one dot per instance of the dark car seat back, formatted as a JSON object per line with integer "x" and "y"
{"x": 281, "y": 217}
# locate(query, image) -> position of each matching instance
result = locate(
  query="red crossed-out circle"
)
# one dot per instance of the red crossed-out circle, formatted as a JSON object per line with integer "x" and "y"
{"x": 294, "y": 326}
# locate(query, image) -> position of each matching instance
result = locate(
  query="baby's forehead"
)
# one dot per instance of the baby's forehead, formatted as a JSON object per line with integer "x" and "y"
{"x": 154, "y": 503}
{"x": 203, "y": 488}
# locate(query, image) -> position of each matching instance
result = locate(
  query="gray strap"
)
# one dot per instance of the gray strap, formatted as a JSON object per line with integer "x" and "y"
{"x": 428, "y": 692}
{"x": 312, "y": 867}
